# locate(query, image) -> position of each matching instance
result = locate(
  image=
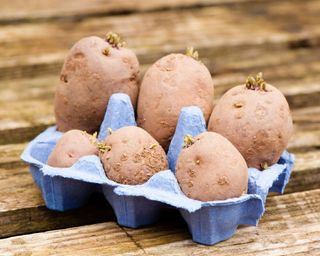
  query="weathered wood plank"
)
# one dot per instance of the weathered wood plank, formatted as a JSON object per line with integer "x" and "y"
{"x": 19, "y": 196}
{"x": 304, "y": 116}
{"x": 41, "y": 48}
{"x": 262, "y": 241}
{"x": 17, "y": 189}
{"x": 39, "y": 218}
{"x": 26, "y": 106}
{"x": 99, "y": 239}
{"x": 31, "y": 11}
{"x": 289, "y": 220}
{"x": 27, "y": 211}
{"x": 10, "y": 155}
{"x": 306, "y": 172}
{"x": 303, "y": 141}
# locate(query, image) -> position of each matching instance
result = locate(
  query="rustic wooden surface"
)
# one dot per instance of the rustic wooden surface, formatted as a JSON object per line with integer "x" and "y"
{"x": 234, "y": 38}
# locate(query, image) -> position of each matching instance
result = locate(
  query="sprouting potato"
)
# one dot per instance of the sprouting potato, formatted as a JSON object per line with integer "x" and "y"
{"x": 131, "y": 156}
{"x": 94, "y": 69}
{"x": 173, "y": 82}
{"x": 210, "y": 168}
{"x": 73, "y": 145}
{"x": 256, "y": 118}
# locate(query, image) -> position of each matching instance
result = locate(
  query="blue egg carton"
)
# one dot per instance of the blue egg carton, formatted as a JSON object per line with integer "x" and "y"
{"x": 139, "y": 205}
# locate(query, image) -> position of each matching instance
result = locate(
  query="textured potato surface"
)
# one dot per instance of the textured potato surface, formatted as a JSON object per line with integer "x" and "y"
{"x": 133, "y": 156}
{"x": 73, "y": 145}
{"x": 173, "y": 82}
{"x": 257, "y": 122}
{"x": 211, "y": 169}
{"x": 88, "y": 79}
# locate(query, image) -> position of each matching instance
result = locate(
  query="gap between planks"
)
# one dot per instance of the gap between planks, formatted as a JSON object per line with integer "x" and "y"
{"x": 153, "y": 35}
{"x": 13, "y": 12}
{"x": 289, "y": 219}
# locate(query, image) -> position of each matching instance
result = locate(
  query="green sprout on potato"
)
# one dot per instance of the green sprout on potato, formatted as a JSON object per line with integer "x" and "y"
{"x": 188, "y": 141}
{"x": 103, "y": 147}
{"x": 92, "y": 138}
{"x": 114, "y": 40}
{"x": 256, "y": 83}
{"x": 264, "y": 165}
{"x": 192, "y": 53}
{"x": 152, "y": 146}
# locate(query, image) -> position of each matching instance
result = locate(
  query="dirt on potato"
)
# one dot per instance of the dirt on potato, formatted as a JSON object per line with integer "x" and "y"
{"x": 132, "y": 156}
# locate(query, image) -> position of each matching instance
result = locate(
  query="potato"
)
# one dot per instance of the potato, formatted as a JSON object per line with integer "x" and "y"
{"x": 93, "y": 70}
{"x": 132, "y": 156}
{"x": 256, "y": 118}
{"x": 210, "y": 168}
{"x": 173, "y": 82}
{"x": 73, "y": 145}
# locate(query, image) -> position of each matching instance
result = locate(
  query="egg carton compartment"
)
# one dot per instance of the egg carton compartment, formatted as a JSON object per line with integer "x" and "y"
{"x": 139, "y": 205}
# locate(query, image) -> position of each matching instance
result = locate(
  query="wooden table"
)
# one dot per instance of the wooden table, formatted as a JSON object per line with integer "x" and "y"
{"x": 234, "y": 38}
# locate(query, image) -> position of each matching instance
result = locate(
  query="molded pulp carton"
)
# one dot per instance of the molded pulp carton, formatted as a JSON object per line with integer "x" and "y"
{"x": 139, "y": 205}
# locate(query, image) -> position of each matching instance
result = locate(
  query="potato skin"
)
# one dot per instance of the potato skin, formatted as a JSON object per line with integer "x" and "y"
{"x": 134, "y": 156}
{"x": 88, "y": 78}
{"x": 173, "y": 82}
{"x": 212, "y": 169}
{"x": 260, "y": 127}
{"x": 73, "y": 145}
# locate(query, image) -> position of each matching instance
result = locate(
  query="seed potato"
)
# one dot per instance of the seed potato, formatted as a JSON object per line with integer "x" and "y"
{"x": 173, "y": 82}
{"x": 256, "y": 120}
{"x": 210, "y": 168}
{"x": 73, "y": 145}
{"x": 93, "y": 70}
{"x": 132, "y": 156}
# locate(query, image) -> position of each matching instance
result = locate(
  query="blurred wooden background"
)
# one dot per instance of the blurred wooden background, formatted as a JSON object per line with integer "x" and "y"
{"x": 234, "y": 38}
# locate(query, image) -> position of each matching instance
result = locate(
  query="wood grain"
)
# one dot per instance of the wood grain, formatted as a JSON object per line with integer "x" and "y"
{"x": 29, "y": 70}
{"x": 22, "y": 209}
{"x": 10, "y": 155}
{"x": 290, "y": 225}
{"x": 152, "y": 35}
{"x": 289, "y": 220}
{"x": 100, "y": 239}
{"x": 34, "y": 11}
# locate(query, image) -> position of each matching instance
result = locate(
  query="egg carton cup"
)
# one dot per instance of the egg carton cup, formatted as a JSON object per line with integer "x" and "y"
{"x": 138, "y": 205}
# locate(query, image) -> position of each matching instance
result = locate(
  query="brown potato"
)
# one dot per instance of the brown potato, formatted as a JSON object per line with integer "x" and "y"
{"x": 256, "y": 120}
{"x": 132, "y": 156}
{"x": 210, "y": 168}
{"x": 93, "y": 70}
{"x": 173, "y": 82}
{"x": 73, "y": 145}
